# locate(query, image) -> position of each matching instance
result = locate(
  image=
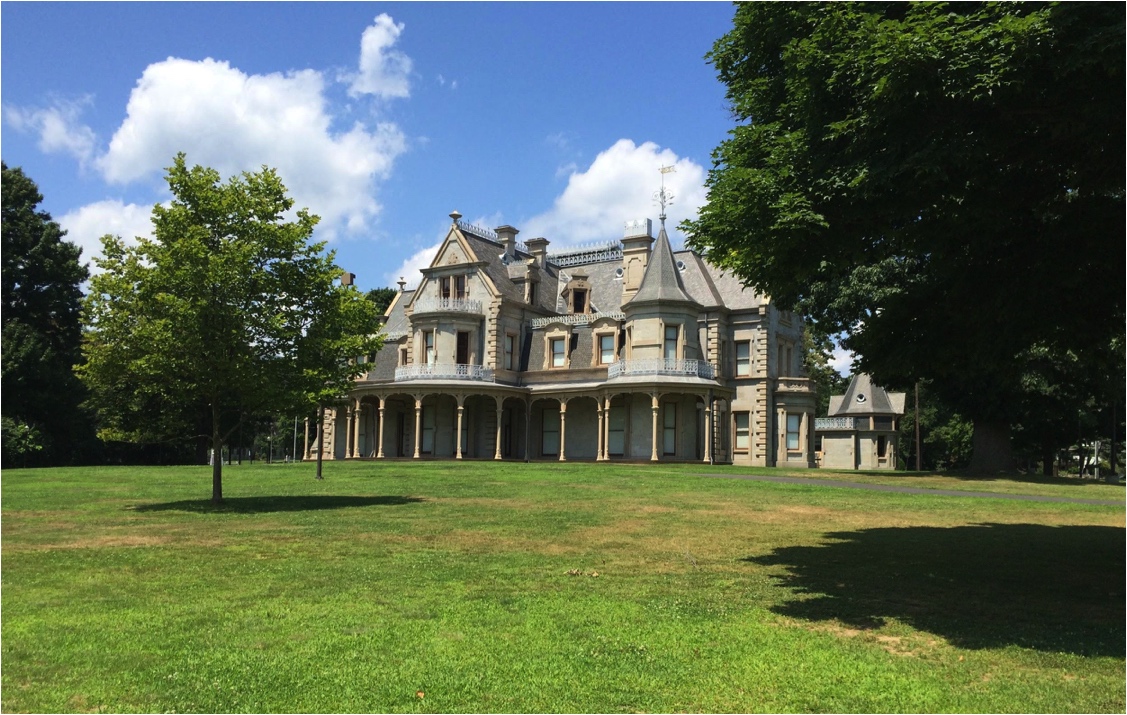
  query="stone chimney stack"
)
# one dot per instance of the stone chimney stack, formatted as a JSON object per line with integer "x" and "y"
{"x": 508, "y": 236}
{"x": 538, "y": 249}
{"x": 637, "y": 242}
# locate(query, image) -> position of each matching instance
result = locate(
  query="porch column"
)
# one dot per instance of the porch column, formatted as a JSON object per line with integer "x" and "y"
{"x": 781, "y": 432}
{"x": 500, "y": 410}
{"x": 306, "y": 455}
{"x": 802, "y": 431}
{"x": 599, "y": 456}
{"x": 458, "y": 433}
{"x": 708, "y": 430}
{"x": 379, "y": 431}
{"x": 563, "y": 430}
{"x": 606, "y": 430}
{"x": 418, "y": 424}
{"x": 653, "y": 453}
{"x": 358, "y": 413}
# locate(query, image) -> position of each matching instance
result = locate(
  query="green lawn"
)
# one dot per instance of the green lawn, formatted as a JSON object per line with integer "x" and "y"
{"x": 472, "y": 587}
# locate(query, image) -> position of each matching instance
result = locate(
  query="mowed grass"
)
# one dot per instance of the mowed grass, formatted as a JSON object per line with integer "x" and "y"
{"x": 418, "y": 587}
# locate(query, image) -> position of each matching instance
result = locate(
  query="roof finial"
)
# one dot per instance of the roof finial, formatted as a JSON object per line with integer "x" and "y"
{"x": 664, "y": 197}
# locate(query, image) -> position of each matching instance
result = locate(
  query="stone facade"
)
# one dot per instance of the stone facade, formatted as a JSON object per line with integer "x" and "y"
{"x": 625, "y": 350}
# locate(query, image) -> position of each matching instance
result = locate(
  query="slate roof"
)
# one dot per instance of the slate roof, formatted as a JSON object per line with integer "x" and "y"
{"x": 396, "y": 320}
{"x": 662, "y": 281}
{"x": 862, "y": 398}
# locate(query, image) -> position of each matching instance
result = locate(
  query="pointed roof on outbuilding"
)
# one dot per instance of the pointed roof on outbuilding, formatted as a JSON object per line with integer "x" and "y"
{"x": 862, "y": 397}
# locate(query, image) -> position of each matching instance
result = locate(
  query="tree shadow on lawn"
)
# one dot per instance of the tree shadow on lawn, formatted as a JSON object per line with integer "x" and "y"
{"x": 966, "y": 476}
{"x": 267, "y": 504}
{"x": 1058, "y": 589}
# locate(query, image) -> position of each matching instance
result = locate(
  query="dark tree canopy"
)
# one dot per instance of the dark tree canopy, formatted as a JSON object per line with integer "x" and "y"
{"x": 230, "y": 312}
{"x": 942, "y": 183}
{"x": 42, "y": 333}
{"x": 382, "y": 298}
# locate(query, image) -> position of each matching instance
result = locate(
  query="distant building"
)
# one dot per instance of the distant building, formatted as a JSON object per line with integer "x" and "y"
{"x": 626, "y": 350}
{"x": 861, "y": 429}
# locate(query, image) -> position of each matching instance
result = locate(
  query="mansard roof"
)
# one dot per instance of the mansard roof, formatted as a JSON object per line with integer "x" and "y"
{"x": 661, "y": 282}
{"x": 862, "y": 398}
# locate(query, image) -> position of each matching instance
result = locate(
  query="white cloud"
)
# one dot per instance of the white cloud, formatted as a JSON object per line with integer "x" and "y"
{"x": 384, "y": 72}
{"x": 231, "y": 121}
{"x": 842, "y": 360}
{"x": 617, "y": 187}
{"x": 86, "y": 225}
{"x": 58, "y": 127}
{"x": 409, "y": 269}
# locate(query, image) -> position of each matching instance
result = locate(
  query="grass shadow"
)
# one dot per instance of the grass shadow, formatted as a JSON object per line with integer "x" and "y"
{"x": 269, "y": 504}
{"x": 1047, "y": 588}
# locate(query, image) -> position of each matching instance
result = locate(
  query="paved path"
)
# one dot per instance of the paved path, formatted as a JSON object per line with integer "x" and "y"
{"x": 912, "y": 490}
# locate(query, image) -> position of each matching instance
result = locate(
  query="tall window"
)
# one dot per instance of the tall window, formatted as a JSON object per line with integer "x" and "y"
{"x": 532, "y": 293}
{"x": 606, "y": 349}
{"x": 510, "y": 348}
{"x": 671, "y": 335}
{"x": 794, "y": 423}
{"x": 743, "y": 358}
{"x": 550, "y": 432}
{"x": 743, "y": 430}
{"x": 402, "y": 356}
{"x": 459, "y": 286}
{"x": 616, "y": 431}
{"x": 669, "y": 429}
{"x": 427, "y": 446}
{"x": 444, "y": 287}
{"x": 559, "y": 357}
{"x": 430, "y": 354}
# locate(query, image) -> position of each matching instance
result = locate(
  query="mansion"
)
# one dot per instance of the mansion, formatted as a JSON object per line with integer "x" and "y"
{"x": 626, "y": 350}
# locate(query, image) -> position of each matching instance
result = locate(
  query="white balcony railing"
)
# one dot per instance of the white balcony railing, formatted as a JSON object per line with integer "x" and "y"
{"x": 444, "y": 371}
{"x": 829, "y": 423}
{"x": 447, "y": 305}
{"x": 679, "y": 368}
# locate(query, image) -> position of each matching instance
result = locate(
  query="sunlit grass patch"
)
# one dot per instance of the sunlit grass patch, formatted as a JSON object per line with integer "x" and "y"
{"x": 548, "y": 587}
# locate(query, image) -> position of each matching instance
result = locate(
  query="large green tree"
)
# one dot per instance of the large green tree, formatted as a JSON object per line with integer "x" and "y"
{"x": 228, "y": 313}
{"x": 941, "y": 182}
{"x": 41, "y": 333}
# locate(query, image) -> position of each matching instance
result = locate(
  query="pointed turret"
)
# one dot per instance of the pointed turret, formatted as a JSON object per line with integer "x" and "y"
{"x": 662, "y": 280}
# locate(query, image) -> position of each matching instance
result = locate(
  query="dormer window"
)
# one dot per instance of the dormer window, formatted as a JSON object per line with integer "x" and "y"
{"x": 579, "y": 301}
{"x": 444, "y": 287}
{"x": 460, "y": 287}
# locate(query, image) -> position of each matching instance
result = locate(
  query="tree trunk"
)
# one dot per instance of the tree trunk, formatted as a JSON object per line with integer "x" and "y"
{"x": 991, "y": 451}
{"x": 217, "y": 459}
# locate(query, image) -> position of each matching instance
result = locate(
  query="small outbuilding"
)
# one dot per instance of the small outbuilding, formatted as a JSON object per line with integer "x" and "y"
{"x": 861, "y": 429}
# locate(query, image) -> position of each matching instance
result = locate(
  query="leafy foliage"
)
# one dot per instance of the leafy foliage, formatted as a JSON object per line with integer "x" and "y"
{"x": 382, "y": 298}
{"x": 228, "y": 313}
{"x": 41, "y": 332}
{"x": 944, "y": 183}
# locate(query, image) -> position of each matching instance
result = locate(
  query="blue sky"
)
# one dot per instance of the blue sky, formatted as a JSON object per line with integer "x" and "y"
{"x": 381, "y": 118}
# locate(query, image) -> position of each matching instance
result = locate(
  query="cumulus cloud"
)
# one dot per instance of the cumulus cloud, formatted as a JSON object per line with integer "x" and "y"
{"x": 842, "y": 361}
{"x": 231, "y": 121}
{"x": 409, "y": 269}
{"x": 58, "y": 127}
{"x": 86, "y": 225}
{"x": 619, "y": 186}
{"x": 383, "y": 72}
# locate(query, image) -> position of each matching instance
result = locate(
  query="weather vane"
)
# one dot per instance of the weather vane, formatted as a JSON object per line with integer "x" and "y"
{"x": 664, "y": 197}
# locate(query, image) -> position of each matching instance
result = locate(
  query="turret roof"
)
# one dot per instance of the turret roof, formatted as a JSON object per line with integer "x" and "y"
{"x": 661, "y": 281}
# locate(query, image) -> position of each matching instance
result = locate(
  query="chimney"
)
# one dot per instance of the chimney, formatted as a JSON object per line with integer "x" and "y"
{"x": 538, "y": 249}
{"x": 508, "y": 236}
{"x": 637, "y": 242}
